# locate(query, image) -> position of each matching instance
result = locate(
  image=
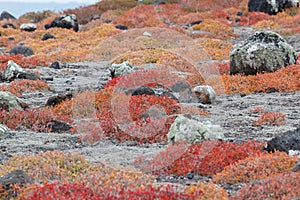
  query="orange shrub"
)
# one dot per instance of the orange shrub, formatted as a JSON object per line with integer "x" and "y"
{"x": 216, "y": 48}
{"x": 256, "y": 168}
{"x": 214, "y": 29}
{"x": 18, "y": 86}
{"x": 271, "y": 118}
{"x": 282, "y": 186}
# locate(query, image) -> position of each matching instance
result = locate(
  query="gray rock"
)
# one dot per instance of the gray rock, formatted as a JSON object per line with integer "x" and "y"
{"x": 297, "y": 167}
{"x": 205, "y": 93}
{"x": 192, "y": 131}
{"x": 271, "y": 6}
{"x": 265, "y": 51}
{"x": 20, "y": 49}
{"x": 182, "y": 91}
{"x": 285, "y": 142}
{"x": 147, "y": 34}
{"x": 8, "y": 101}
{"x": 28, "y": 27}
{"x": 4, "y": 131}
{"x": 120, "y": 69}
{"x": 48, "y": 36}
{"x": 14, "y": 71}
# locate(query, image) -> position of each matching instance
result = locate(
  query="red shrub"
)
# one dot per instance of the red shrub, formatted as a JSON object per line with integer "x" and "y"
{"x": 206, "y": 158}
{"x": 33, "y": 119}
{"x": 62, "y": 191}
{"x": 253, "y": 18}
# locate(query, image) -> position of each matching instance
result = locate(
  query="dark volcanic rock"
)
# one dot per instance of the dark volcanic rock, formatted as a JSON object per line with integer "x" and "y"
{"x": 9, "y": 25}
{"x": 57, "y": 65}
{"x": 48, "y": 36}
{"x": 121, "y": 27}
{"x": 6, "y": 15}
{"x": 20, "y": 49}
{"x": 143, "y": 90}
{"x": 65, "y": 21}
{"x": 285, "y": 142}
{"x": 271, "y": 7}
{"x": 58, "y": 126}
{"x": 52, "y": 101}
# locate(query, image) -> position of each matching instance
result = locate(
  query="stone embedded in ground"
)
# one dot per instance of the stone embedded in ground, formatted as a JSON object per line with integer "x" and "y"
{"x": 4, "y": 131}
{"x": 121, "y": 27}
{"x": 271, "y": 6}
{"x": 265, "y": 51}
{"x": 28, "y": 27}
{"x": 143, "y": 90}
{"x": 57, "y": 65}
{"x": 8, "y": 101}
{"x": 182, "y": 91}
{"x": 58, "y": 126}
{"x": 120, "y": 69}
{"x": 21, "y": 49}
{"x": 14, "y": 71}
{"x": 65, "y": 21}
{"x": 9, "y": 25}
{"x": 205, "y": 93}
{"x": 48, "y": 36}
{"x": 54, "y": 100}
{"x": 285, "y": 142}
{"x": 192, "y": 131}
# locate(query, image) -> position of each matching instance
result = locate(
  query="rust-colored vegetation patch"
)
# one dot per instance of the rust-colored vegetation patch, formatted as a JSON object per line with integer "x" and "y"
{"x": 256, "y": 168}
{"x": 206, "y": 158}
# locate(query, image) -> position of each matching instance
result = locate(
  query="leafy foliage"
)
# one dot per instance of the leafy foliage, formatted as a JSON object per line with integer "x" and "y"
{"x": 256, "y": 168}
{"x": 25, "y": 62}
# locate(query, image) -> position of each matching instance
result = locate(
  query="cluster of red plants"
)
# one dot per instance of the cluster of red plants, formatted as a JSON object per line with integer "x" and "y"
{"x": 206, "y": 158}
{"x": 32, "y": 119}
{"x": 25, "y": 62}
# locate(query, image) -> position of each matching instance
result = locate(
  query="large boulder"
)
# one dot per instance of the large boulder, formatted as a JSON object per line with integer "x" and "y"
{"x": 6, "y": 15}
{"x": 14, "y": 71}
{"x": 265, "y": 51}
{"x": 8, "y": 101}
{"x": 120, "y": 69}
{"x": 192, "y": 131}
{"x": 28, "y": 27}
{"x": 21, "y": 49}
{"x": 271, "y": 6}
{"x": 66, "y": 21}
{"x": 289, "y": 141}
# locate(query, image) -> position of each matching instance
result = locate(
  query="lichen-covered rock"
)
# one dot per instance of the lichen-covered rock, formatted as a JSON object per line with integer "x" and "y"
{"x": 28, "y": 27}
{"x": 265, "y": 51}
{"x": 271, "y": 6}
{"x": 205, "y": 93}
{"x": 14, "y": 71}
{"x": 192, "y": 131}
{"x": 120, "y": 69}
{"x": 65, "y": 21}
{"x": 8, "y": 101}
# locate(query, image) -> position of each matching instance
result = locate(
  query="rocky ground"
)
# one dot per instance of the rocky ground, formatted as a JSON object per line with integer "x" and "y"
{"x": 231, "y": 112}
